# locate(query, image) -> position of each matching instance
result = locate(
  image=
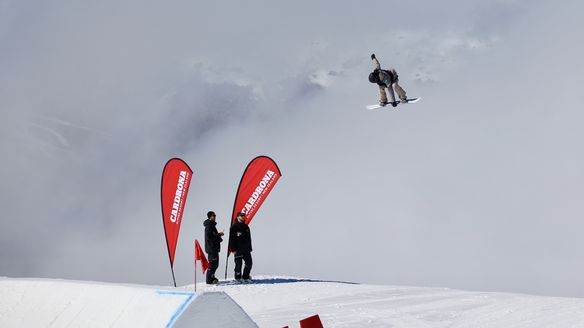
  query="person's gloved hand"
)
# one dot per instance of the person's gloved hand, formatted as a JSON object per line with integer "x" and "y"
{"x": 372, "y": 56}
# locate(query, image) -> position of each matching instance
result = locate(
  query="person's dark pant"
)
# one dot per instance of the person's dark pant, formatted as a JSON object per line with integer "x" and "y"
{"x": 239, "y": 257}
{"x": 213, "y": 265}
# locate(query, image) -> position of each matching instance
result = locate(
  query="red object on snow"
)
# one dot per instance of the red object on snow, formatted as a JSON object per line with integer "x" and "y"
{"x": 200, "y": 256}
{"x": 176, "y": 178}
{"x": 311, "y": 322}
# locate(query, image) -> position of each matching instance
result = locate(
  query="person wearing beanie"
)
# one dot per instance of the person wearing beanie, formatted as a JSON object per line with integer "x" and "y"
{"x": 213, "y": 239}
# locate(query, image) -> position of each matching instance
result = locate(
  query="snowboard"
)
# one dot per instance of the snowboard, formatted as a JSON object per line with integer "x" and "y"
{"x": 409, "y": 101}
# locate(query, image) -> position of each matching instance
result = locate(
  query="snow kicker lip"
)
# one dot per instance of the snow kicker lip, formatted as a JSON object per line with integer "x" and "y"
{"x": 181, "y": 307}
{"x": 208, "y": 308}
{"x": 60, "y": 303}
{"x": 212, "y": 309}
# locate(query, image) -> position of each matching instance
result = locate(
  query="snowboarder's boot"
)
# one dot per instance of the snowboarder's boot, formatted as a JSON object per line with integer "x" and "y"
{"x": 383, "y": 103}
{"x": 404, "y": 100}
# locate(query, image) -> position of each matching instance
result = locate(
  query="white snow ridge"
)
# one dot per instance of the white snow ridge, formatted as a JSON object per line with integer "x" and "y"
{"x": 273, "y": 302}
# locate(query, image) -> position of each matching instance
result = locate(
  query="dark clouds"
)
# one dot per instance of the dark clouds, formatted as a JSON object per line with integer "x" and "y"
{"x": 476, "y": 186}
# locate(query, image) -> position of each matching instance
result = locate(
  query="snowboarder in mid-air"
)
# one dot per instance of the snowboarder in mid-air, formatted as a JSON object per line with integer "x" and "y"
{"x": 386, "y": 79}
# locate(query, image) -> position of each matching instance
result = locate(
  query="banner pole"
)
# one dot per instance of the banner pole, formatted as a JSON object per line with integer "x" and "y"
{"x": 226, "y": 262}
{"x": 170, "y": 170}
{"x": 173, "y": 279}
{"x": 195, "y": 274}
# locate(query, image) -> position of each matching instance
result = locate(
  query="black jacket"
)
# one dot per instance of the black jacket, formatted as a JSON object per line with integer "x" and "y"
{"x": 212, "y": 237}
{"x": 240, "y": 238}
{"x": 386, "y": 77}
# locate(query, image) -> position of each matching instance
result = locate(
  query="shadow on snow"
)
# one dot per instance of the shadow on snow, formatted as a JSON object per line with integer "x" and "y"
{"x": 273, "y": 281}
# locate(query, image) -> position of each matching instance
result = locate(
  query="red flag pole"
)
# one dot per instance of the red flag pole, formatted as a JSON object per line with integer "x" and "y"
{"x": 195, "y": 273}
{"x": 173, "y": 279}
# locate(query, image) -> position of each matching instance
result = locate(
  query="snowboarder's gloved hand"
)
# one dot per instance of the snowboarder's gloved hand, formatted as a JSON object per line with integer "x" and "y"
{"x": 372, "y": 56}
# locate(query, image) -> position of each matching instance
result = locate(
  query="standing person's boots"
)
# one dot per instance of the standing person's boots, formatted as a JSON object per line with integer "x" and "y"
{"x": 209, "y": 277}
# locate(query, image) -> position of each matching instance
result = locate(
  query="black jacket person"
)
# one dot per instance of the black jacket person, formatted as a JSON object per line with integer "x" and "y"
{"x": 240, "y": 243}
{"x": 212, "y": 246}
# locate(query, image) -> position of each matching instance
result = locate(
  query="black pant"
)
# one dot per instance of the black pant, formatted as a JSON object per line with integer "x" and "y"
{"x": 213, "y": 265}
{"x": 239, "y": 257}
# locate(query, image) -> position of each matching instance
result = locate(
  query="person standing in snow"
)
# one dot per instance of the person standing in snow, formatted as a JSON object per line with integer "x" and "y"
{"x": 386, "y": 79}
{"x": 213, "y": 239}
{"x": 240, "y": 244}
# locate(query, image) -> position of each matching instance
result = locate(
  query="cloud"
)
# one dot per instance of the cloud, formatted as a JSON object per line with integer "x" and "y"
{"x": 475, "y": 187}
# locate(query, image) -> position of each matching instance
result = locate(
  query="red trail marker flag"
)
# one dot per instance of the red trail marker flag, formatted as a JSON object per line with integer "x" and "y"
{"x": 174, "y": 188}
{"x": 200, "y": 256}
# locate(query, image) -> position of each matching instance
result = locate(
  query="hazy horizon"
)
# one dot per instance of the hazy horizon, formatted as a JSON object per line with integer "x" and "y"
{"x": 477, "y": 186}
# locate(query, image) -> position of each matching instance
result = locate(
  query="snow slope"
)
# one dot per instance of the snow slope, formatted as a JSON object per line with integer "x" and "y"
{"x": 276, "y": 302}
{"x": 59, "y": 303}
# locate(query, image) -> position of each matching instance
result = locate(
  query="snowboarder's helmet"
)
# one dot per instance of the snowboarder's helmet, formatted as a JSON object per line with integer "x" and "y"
{"x": 373, "y": 77}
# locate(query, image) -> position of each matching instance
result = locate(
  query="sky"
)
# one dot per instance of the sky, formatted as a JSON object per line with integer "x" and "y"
{"x": 478, "y": 186}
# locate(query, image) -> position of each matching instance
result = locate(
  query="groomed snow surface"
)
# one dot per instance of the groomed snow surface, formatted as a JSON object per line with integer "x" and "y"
{"x": 273, "y": 302}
